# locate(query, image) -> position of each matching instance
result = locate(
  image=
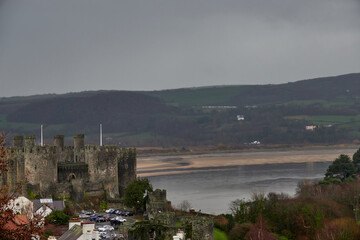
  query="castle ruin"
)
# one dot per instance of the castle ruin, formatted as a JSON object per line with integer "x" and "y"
{"x": 73, "y": 171}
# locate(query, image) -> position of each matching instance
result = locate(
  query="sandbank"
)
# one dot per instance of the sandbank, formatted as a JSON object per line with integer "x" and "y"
{"x": 168, "y": 165}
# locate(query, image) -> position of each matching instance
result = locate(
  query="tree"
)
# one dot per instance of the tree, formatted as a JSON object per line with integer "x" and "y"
{"x": 58, "y": 217}
{"x": 342, "y": 168}
{"x": 239, "y": 210}
{"x": 103, "y": 205}
{"x": 135, "y": 193}
{"x": 21, "y": 232}
{"x": 184, "y": 206}
{"x": 356, "y": 160}
{"x": 260, "y": 231}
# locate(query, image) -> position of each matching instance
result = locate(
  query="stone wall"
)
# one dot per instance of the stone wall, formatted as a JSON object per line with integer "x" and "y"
{"x": 51, "y": 170}
{"x": 69, "y": 171}
{"x": 65, "y": 154}
{"x": 126, "y": 168}
{"x": 103, "y": 167}
{"x": 198, "y": 227}
{"x": 147, "y": 230}
{"x": 156, "y": 204}
{"x": 41, "y": 169}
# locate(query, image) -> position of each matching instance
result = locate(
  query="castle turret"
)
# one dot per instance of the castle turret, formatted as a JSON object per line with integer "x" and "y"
{"x": 59, "y": 141}
{"x": 18, "y": 142}
{"x": 29, "y": 141}
{"x": 79, "y": 148}
{"x": 79, "y": 142}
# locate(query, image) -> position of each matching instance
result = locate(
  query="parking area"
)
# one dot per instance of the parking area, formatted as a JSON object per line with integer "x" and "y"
{"x": 112, "y": 224}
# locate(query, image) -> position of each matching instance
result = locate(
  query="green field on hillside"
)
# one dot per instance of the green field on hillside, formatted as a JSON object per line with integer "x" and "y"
{"x": 333, "y": 120}
{"x": 339, "y": 101}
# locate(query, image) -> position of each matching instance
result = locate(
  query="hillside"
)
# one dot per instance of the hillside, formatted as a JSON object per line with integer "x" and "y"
{"x": 273, "y": 114}
{"x": 327, "y": 89}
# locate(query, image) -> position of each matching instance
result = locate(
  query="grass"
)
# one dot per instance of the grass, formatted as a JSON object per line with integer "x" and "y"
{"x": 219, "y": 235}
{"x": 332, "y": 119}
{"x": 344, "y": 121}
{"x": 337, "y": 102}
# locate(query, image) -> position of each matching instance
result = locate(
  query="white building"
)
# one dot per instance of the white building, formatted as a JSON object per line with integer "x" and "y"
{"x": 81, "y": 231}
{"x": 240, "y": 117}
{"x": 21, "y": 205}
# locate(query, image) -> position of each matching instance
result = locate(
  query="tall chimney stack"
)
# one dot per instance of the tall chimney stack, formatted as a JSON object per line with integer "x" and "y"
{"x": 101, "y": 138}
{"x": 42, "y": 136}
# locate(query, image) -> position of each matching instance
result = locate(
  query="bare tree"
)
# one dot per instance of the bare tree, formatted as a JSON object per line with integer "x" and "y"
{"x": 184, "y": 206}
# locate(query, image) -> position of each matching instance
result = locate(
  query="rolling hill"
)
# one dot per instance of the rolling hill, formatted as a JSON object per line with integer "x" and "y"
{"x": 197, "y": 116}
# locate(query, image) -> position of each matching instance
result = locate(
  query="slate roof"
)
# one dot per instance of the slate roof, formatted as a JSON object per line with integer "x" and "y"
{"x": 73, "y": 233}
{"x": 55, "y": 205}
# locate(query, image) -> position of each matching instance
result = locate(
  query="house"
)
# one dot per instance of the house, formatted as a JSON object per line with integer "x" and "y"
{"x": 45, "y": 206}
{"x": 310, "y": 127}
{"x": 80, "y": 231}
{"x": 240, "y": 117}
{"x": 21, "y": 205}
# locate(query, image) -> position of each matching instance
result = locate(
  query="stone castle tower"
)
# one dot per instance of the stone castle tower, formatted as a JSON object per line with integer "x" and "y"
{"x": 71, "y": 170}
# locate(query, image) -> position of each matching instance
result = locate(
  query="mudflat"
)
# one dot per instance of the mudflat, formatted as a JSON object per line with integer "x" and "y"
{"x": 168, "y": 165}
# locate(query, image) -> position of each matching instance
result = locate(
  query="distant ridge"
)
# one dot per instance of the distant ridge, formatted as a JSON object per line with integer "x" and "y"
{"x": 177, "y": 117}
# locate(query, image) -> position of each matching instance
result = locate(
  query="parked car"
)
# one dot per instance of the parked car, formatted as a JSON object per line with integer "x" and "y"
{"x": 117, "y": 221}
{"x": 104, "y": 235}
{"x": 118, "y": 211}
{"x": 129, "y": 213}
{"x": 94, "y": 217}
{"x": 107, "y": 217}
{"x": 105, "y": 228}
{"x": 83, "y": 216}
{"x": 109, "y": 210}
{"x": 100, "y": 219}
{"x": 108, "y": 228}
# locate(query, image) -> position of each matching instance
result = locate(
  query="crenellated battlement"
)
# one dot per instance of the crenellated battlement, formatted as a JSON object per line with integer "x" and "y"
{"x": 41, "y": 150}
{"x": 54, "y": 168}
{"x": 107, "y": 148}
{"x": 15, "y": 150}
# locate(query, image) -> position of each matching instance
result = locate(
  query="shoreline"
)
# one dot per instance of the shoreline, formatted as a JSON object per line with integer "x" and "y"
{"x": 159, "y": 151}
{"x": 170, "y": 164}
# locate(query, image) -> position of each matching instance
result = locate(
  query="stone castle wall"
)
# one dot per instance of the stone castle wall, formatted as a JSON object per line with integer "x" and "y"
{"x": 127, "y": 168}
{"x": 103, "y": 167}
{"x": 41, "y": 168}
{"x": 50, "y": 170}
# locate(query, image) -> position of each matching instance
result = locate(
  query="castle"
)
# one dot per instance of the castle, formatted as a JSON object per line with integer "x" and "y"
{"x": 74, "y": 171}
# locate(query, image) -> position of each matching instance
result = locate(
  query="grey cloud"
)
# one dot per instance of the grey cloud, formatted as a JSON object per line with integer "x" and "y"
{"x": 62, "y": 46}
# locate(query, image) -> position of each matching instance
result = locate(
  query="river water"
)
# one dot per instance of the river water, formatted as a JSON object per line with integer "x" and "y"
{"x": 212, "y": 190}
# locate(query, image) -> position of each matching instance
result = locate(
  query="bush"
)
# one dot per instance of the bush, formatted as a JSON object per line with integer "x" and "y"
{"x": 103, "y": 205}
{"x": 341, "y": 229}
{"x": 58, "y": 217}
{"x": 48, "y": 233}
{"x": 239, "y": 231}
{"x": 135, "y": 193}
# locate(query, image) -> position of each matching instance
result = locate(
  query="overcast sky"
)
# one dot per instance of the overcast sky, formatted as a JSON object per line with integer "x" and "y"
{"x": 75, "y": 45}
